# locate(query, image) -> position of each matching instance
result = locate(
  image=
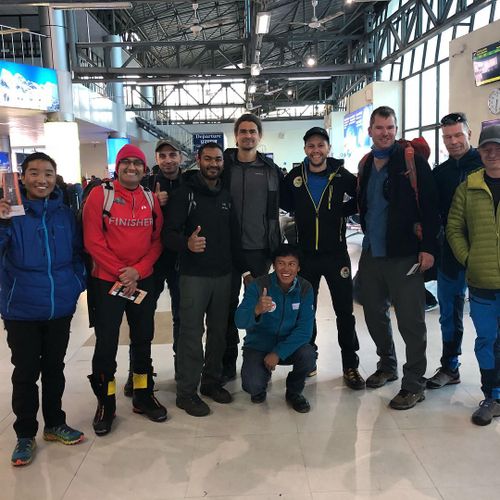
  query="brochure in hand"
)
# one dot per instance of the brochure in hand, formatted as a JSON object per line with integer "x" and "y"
{"x": 137, "y": 297}
{"x": 11, "y": 192}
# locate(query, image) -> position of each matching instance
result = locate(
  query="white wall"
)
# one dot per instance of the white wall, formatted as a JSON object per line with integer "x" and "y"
{"x": 93, "y": 159}
{"x": 464, "y": 95}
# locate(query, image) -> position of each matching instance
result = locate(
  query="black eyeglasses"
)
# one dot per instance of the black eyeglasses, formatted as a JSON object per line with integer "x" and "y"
{"x": 128, "y": 161}
{"x": 453, "y": 118}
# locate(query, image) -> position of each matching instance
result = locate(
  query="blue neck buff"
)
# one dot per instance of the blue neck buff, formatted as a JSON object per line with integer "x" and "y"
{"x": 383, "y": 153}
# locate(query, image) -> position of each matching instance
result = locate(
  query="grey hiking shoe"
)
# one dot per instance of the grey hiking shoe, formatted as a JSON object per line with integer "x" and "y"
{"x": 442, "y": 377}
{"x": 488, "y": 408}
{"x": 404, "y": 400}
{"x": 380, "y": 378}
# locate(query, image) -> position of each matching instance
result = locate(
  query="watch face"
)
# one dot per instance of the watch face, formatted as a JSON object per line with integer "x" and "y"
{"x": 494, "y": 102}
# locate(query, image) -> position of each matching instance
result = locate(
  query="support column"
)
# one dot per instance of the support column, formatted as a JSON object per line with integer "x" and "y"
{"x": 62, "y": 140}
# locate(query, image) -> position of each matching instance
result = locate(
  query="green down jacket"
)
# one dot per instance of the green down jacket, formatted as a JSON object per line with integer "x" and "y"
{"x": 473, "y": 232}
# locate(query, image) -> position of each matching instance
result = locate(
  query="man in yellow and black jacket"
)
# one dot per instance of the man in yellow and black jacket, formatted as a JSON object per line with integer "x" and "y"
{"x": 322, "y": 193}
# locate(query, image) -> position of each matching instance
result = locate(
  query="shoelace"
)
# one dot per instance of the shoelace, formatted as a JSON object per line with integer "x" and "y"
{"x": 24, "y": 445}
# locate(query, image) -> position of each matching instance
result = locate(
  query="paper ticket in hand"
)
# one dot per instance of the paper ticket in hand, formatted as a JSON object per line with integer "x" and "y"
{"x": 117, "y": 290}
{"x": 11, "y": 192}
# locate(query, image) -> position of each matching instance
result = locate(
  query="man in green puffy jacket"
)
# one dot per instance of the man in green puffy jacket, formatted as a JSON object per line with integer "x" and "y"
{"x": 473, "y": 234}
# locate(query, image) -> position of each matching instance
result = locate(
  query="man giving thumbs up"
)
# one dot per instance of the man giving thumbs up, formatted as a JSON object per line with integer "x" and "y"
{"x": 199, "y": 226}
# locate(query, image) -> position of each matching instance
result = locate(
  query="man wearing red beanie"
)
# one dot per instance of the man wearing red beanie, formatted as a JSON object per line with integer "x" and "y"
{"x": 123, "y": 240}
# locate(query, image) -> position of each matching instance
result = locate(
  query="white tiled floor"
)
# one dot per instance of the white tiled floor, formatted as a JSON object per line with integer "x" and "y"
{"x": 350, "y": 446}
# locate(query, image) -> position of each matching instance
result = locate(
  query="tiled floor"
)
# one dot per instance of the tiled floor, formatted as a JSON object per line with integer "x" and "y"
{"x": 350, "y": 446}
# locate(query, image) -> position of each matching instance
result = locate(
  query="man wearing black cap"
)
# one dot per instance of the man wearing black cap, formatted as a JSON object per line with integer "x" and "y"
{"x": 253, "y": 181}
{"x": 163, "y": 182}
{"x": 472, "y": 232}
{"x": 463, "y": 160}
{"x": 321, "y": 193}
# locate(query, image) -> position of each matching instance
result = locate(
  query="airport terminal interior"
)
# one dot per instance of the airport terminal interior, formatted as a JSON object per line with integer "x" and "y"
{"x": 79, "y": 79}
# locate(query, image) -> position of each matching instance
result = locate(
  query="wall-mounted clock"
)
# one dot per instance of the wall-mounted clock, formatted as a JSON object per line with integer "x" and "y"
{"x": 494, "y": 102}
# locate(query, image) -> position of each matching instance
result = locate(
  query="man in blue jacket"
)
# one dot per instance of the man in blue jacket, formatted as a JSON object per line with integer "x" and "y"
{"x": 463, "y": 160}
{"x": 277, "y": 312}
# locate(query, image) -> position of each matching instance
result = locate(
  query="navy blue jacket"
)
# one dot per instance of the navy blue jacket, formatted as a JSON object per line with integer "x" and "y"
{"x": 448, "y": 175}
{"x": 42, "y": 272}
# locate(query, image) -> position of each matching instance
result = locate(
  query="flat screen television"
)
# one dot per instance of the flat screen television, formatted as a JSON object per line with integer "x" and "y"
{"x": 486, "y": 64}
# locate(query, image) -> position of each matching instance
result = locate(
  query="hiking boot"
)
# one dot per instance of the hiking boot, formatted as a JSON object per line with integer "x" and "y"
{"x": 23, "y": 452}
{"x": 404, "y": 400}
{"x": 104, "y": 390}
{"x": 217, "y": 393}
{"x": 313, "y": 372}
{"x": 354, "y": 380}
{"x": 144, "y": 401}
{"x": 258, "y": 398}
{"x": 63, "y": 433}
{"x": 298, "y": 402}
{"x": 380, "y": 378}
{"x": 488, "y": 408}
{"x": 193, "y": 405}
{"x": 128, "y": 388}
{"x": 442, "y": 377}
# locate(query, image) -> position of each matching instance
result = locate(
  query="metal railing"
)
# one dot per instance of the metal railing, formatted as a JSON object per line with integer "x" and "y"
{"x": 21, "y": 46}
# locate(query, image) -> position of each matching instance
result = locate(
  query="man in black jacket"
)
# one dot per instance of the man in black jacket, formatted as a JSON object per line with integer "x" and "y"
{"x": 198, "y": 225}
{"x": 391, "y": 218}
{"x": 253, "y": 181}
{"x": 463, "y": 160}
{"x": 315, "y": 192}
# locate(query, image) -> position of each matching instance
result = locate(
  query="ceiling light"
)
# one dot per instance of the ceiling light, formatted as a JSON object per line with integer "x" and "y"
{"x": 255, "y": 69}
{"x": 263, "y": 23}
{"x": 289, "y": 92}
{"x": 311, "y": 61}
{"x": 85, "y": 5}
{"x": 252, "y": 88}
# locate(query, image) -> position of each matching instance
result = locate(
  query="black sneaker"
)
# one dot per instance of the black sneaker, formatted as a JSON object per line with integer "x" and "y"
{"x": 442, "y": 377}
{"x": 217, "y": 393}
{"x": 299, "y": 402}
{"x": 354, "y": 380}
{"x": 128, "y": 388}
{"x": 380, "y": 378}
{"x": 404, "y": 400}
{"x": 488, "y": 409}
{"x": 193, "y": 405}
{"x": 145, "y": 403}
{"x": 258, "y": 398}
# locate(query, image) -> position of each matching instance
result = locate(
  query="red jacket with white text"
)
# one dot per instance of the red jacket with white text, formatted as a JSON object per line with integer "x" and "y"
{"x": 131, "y": 236}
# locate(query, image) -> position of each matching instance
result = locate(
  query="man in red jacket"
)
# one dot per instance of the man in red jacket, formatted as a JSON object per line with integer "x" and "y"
{"x": 123, "y": 241}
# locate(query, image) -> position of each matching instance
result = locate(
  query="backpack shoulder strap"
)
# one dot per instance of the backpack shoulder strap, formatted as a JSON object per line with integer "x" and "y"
{"x": 109, "y": 197}
{"x": 191, "y": 201}
{"x": 149, "y": 197}
{"x": 411, "y": 170}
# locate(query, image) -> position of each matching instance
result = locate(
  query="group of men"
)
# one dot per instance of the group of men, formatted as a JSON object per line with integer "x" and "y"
{"x": 205, "y": 231}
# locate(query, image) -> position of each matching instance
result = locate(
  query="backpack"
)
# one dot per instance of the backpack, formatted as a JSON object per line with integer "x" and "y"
{"x": 109, "y": 198}
{"x": 420, "y": 145}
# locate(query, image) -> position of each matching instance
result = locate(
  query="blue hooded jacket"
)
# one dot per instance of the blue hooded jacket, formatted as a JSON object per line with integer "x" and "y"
{"x": 42, "y": 272}
{"x": 286, "y": 328}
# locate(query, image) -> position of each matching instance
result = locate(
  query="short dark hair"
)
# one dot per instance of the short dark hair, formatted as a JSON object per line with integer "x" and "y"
{"x": 207, "y": 145}
{"x": 453, "y": 119}
{"x": 287, "y": 250}
{"x": 248, "y": 117}
{"x": 37, "y": 156}
{"x": 385, "y": 112}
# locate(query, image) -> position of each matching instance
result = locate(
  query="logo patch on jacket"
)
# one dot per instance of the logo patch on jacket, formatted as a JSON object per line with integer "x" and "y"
{"x": 297, "y": 182}
{"x": 225, "y": 206}
{"x": 296, "y": 306}
{"x": 344, "y": 272}
{"x": 119, "y": 201}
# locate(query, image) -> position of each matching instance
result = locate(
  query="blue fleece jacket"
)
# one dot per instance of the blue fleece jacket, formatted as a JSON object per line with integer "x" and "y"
{"x": 42, "y": 272}
{"x": 286, "y": 328}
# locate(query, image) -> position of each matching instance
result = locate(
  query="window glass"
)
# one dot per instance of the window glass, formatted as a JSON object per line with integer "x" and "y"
{"x": 406, "y": 70}
{"x": 430, "y": 55}
{"x": 444, "y": 89}
{"x": 429, "y": 97}
{"x": 482, "y": 18}
{"x": 444, "y": 44}
{"x": 418, "y": 58}
{"x": 463, "y": 28}
{"x": 412, "y": 102}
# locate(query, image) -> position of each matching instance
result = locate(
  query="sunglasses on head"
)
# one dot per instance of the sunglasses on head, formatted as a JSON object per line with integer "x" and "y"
{"x": 453, "y": 118}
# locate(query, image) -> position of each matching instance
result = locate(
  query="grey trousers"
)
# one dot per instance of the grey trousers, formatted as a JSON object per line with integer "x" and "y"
{"x": 201, "y": 296}
{"x": 383, "y": 281}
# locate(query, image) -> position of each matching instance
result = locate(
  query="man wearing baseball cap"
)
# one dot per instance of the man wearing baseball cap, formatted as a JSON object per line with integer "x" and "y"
{"x": 123, "y": 241}
{"x": 315, "y": 192}
{"x": 472, "y": 232}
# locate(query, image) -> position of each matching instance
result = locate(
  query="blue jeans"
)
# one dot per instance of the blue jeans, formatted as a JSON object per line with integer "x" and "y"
{"x": 451, "y": 297}
{"x": 255, "y": 376}
{"x": 485, "y": 314}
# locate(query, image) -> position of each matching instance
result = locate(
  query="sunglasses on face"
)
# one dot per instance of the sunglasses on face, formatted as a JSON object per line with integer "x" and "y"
{"x": 453, "y": 118}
